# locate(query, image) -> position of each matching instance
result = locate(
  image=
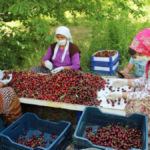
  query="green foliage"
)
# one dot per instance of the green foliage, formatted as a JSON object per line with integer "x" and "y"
{"x": 107, "y": 22}
{"x": 18, "y": 45}
{"x": 114, "y": 31}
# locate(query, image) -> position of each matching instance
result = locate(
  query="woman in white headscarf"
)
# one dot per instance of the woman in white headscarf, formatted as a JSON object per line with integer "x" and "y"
{"x": 62, "y": 55}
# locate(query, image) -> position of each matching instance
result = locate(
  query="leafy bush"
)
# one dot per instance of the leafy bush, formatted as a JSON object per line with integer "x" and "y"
{"x": 18, "y": 45}
{"x": 114, "y": 33}
{"x": 15, "y": 47}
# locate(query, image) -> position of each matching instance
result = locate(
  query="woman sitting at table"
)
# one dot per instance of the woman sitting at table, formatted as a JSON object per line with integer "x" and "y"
{"x": 9, "y": 103}
{"x": 62, "y": 55}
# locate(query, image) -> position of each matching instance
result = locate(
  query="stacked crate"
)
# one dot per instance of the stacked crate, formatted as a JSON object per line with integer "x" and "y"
{"x": 105, "y": 65}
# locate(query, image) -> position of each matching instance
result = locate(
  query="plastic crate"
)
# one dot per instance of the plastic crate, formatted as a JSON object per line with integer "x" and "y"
{"x": 79, "y": 113}
{"x": 31, "y": 124}
{"x": 105, "y": 61}
{"x": 106, "y": 70}
{"x": 93, "y": 116}
{"x": 1, "y": 129}
{"x": 1, "y": 125}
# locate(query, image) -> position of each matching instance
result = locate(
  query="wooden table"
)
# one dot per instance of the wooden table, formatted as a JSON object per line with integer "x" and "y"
{"x": 68, "y": 106}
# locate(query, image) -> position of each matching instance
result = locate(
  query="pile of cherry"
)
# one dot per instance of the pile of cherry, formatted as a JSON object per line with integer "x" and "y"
{"x": 68, "y": 86}
{"x": 115, "y": 136}
{"x": 36, "y": 140}
{"x": 105, "y": 53}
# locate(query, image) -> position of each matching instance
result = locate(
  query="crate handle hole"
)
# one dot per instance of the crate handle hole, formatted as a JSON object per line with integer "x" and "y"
{"x": 16, "y": 126}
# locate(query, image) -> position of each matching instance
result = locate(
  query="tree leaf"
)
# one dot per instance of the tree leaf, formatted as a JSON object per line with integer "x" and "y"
{"x": 21, "y": 10}
{"x": 15, "y": 10}
{"x": 44, "y": 5}
{"x": 11, "y": 8}
{"x": 46, "y": 38}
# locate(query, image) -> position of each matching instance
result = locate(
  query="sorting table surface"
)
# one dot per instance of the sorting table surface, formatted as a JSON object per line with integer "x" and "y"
{"x": 120, "y": 102}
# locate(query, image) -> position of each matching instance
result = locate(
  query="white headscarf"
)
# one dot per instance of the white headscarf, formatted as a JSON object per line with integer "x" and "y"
{"x": 66, "y": 32}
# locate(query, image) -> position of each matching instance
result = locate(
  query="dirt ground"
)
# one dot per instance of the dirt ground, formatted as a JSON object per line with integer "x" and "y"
{"x": 70, "y": 147}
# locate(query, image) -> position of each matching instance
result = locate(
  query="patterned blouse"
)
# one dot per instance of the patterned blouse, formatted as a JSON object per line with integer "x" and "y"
{"x": 143, "y": 91}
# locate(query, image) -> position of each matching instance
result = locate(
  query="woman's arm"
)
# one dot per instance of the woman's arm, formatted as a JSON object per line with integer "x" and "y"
{"x": 47, "y": 56}
{"x": 143, "y": 95}
{"x": 75, "y": 60}
{"x": 140, "y": 82}
{"x": 128, "y": 68}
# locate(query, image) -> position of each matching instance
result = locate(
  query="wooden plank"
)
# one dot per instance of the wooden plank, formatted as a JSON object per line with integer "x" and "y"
{"x": 68, "y": 106}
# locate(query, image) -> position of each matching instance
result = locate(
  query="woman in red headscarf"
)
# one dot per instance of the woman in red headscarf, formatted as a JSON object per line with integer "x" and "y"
{"x": 138, "y": 101}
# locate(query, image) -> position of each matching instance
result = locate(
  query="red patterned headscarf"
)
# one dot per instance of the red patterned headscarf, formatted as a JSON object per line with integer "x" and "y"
{"x": 141, "y": 44}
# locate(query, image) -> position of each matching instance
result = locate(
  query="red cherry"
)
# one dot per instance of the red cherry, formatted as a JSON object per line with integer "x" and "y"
{"x": 24, "y": 134}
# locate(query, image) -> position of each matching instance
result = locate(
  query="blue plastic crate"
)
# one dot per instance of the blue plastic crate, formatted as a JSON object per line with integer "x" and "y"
{"x": 1, "y": 129}
{"x": 1, "y": 125}
{"x": 103, "y": 61}
{"x": 110, "y": 71}
{"x": 79, "y": 113}
{"x": 31, "y": 124}
{"x": 92, "y": 116}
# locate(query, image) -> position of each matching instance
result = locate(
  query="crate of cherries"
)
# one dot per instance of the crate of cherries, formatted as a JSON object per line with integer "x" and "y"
{"x": 105, "y": 53}
{"x": 30, "y": 132}
{"x": 36, "y": 139}
{"x": 112, "y": 132}
{"x": 115, "y": 136}
{"x": 105, "y": 58}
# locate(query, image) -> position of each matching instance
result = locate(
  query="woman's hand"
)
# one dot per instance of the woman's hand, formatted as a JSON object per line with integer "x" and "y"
{"x": 1, "y": 84}
{"x": 114, "y": 95}
{"x": 122, "y": 73}
{"x": 48, "y": 64}
{"x": 6, "y": 81}
{"x": 127, "y": 76}
{"x": 117, "y": 83}
{"x": 57, "y": 70}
